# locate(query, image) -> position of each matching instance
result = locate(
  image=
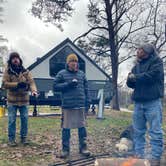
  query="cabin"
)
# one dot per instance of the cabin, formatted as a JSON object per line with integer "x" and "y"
{"x": 45, "y": 68}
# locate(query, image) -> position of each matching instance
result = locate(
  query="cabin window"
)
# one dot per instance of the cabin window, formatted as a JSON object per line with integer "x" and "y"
{"x": 58, "y": 61}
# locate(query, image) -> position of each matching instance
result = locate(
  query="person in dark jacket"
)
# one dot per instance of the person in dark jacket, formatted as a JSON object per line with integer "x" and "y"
{"x": 73, "y": 85}
{"x": 147, "y": 81}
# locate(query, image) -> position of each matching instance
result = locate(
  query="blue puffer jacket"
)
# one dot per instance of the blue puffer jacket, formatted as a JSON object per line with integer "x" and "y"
{"x": 72, "y": 97}
{"x": 149, "y": 83}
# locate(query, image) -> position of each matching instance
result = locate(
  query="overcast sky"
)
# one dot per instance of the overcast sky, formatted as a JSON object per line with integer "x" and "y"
{"x": 30, "y": 36}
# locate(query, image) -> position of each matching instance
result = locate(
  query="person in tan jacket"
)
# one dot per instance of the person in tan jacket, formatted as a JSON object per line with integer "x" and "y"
{"x": 18, "y": 82}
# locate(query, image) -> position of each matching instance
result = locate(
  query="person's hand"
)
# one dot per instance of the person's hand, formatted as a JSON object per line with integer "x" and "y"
{"x": 131, "y": 77}
{"x": 22, "y": 85}
{"x": 34, "y": 93}
{"x": 73, "y": 83}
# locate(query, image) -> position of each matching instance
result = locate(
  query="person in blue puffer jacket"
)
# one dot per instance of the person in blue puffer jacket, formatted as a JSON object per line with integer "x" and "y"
{"x": 73, "y": 85}
{"x": 147, "y": 80}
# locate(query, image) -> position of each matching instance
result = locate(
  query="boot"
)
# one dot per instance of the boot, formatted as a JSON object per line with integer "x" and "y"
{"x": 64, "y": 154}
{"x": 82, "y": 142}
{"x": 24, "y": 141}
{"x": 85, "y": 152}
{"x": 83, "y": 148}
{"x": 12, "y": 143}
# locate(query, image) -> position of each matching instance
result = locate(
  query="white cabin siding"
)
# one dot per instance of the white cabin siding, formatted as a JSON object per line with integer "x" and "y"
{"x": 92, "y": 72}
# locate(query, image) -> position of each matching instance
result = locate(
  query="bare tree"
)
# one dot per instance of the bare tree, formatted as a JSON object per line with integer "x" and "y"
{"x": 114, "y": 24}
{"x": 1, "y": 11}
{"x": 54, "y": 11}
{"x": 129, "y": 23}
{"x": 155, "y": 31}
{"x": 3, "y": 47}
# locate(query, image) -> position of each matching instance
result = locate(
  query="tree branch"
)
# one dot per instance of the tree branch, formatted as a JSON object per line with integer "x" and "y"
{"x": 90, "y": 30}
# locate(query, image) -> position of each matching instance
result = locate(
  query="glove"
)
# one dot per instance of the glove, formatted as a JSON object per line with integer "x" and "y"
{"x": 73, "y": 83}
{"x": 22, "y": 85}
{"x": 132, "y": 77}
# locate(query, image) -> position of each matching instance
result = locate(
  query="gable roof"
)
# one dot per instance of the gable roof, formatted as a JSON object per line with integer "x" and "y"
{"x": 40, "y": 60}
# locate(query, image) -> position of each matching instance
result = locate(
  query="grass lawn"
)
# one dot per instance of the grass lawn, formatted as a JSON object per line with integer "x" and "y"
{"x": 45, "y": 139}
{"x": 46, "y": 109}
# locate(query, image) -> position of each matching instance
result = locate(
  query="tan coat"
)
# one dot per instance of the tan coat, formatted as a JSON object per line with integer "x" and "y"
{"x": 17, "y": 96}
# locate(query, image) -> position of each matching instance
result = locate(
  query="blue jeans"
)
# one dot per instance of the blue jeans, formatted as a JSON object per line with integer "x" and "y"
{"x": 151, "y": 113}
{"x": 12, "y": 113}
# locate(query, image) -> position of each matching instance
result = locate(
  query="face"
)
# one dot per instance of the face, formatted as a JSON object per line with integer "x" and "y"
{"x": 141, "y": 53}
{"x": 16, "y": 61}
{"x": 73, "y": 65}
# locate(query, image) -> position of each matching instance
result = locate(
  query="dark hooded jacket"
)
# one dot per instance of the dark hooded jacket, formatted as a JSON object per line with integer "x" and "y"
{"x": 72, "y": 98}
{"x": 149, "y": 82}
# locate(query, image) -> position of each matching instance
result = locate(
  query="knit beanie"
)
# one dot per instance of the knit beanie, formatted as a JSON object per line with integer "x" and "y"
{"x": 14, "y": 55}
{"x": 148, "y": 48}
{"x": 71, "y": 57}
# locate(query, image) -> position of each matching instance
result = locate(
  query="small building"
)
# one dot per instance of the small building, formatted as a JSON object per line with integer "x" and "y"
{"x": 46, "y": 67}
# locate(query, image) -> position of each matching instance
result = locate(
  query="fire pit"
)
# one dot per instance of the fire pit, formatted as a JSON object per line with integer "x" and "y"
{"x": 121, "y": 162}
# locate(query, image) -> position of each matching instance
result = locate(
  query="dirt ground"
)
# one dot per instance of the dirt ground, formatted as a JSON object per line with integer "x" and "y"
{"x": 45, "y": 140}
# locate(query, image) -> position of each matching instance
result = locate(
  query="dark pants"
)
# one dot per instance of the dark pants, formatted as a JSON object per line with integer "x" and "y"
{"x": 66, "y": 139}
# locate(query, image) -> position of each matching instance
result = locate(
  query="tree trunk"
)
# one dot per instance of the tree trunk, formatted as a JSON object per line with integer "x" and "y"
{"x": 114, "y": 54}
{"x": 115, "y": 100}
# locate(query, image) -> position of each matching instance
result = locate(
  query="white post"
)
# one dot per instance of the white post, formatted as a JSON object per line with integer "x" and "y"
{"x": 100, "y": 96}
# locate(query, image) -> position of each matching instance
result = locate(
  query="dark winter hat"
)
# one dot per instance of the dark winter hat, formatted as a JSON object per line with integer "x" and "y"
{"x": 14, "y": 55}
{"x": 148, "y": 48}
